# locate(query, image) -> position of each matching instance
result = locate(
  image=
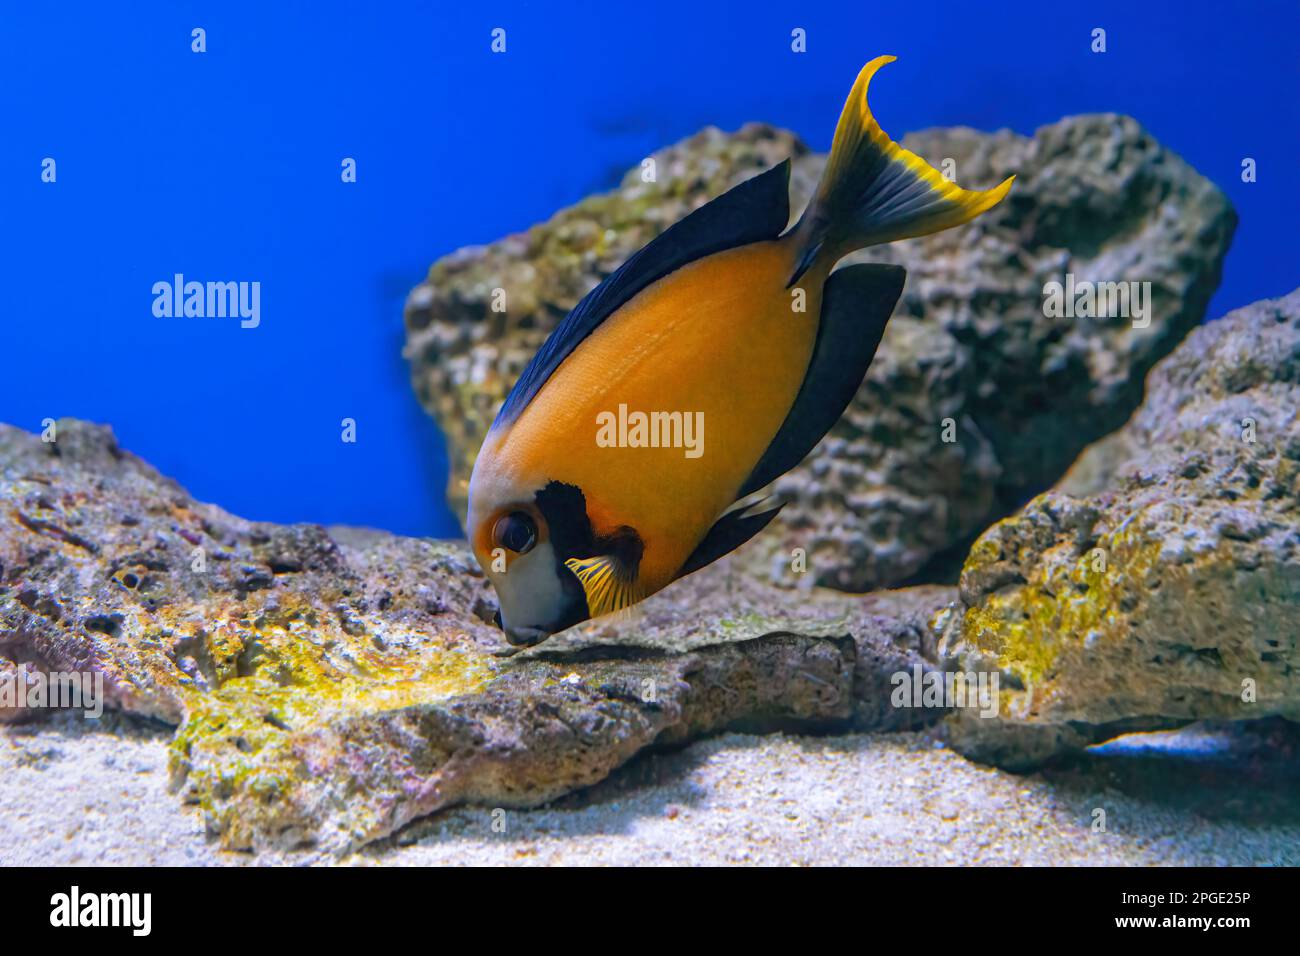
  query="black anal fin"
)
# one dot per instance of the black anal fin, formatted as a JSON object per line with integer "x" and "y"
{"x": 729, "y": 532}
{"x": 856, "y": 303}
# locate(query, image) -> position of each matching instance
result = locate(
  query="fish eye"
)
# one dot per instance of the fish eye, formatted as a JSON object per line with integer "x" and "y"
{"x": 516, "y": 531}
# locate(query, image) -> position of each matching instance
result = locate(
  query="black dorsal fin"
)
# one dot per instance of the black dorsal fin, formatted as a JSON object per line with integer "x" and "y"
{"x": 856, "y": 303}
{"x": 757, "y": 209}
{"x": 728, "y": 533}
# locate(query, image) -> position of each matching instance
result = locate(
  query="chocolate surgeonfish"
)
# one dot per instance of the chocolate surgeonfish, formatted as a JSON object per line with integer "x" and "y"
{"x": 729, "y": 331}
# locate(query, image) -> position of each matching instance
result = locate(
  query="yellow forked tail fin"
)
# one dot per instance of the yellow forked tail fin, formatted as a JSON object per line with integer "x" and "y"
{"x": 874, "y": 191}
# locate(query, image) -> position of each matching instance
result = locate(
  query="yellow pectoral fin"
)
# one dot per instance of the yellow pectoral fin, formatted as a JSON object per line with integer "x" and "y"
{"x": 608, "y": 584}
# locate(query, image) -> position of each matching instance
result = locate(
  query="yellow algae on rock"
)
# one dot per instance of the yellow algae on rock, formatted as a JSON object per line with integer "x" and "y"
{"x": 1167, "y": 588}
{"x": 331, "y": 685}
{"x": 237, "y": 747}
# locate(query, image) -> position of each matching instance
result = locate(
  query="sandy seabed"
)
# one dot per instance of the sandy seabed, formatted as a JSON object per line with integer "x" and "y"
{"x": 73, "y": 793}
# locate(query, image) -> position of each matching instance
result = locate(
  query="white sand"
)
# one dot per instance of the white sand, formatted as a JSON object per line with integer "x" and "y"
{"x": 75, "y": 795}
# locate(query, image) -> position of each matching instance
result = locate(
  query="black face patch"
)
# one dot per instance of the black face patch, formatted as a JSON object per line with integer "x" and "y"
{"x": 565, "y": 509}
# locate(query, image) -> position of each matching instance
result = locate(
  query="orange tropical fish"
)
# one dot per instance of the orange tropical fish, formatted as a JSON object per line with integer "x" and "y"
{"x": 706, "y": 366}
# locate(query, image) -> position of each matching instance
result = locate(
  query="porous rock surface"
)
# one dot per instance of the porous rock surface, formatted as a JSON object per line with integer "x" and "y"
{"x": 969, "y": 356}
{"x": 1160, "y": 583}
{"x": 330, "y": 685}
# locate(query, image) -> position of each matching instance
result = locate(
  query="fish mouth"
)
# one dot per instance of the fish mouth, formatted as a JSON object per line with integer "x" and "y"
{"x": 525, "y": 636}
{"x": 521, "y": 636}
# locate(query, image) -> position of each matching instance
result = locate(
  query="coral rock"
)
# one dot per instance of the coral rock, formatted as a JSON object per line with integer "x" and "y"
{"x": 330, "y": 685}
{"x": 1161, "y": 583}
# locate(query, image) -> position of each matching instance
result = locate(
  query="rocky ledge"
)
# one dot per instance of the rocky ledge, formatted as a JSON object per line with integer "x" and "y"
{"x": 330, "y": 685}
{"x": 1160, "y": 582}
